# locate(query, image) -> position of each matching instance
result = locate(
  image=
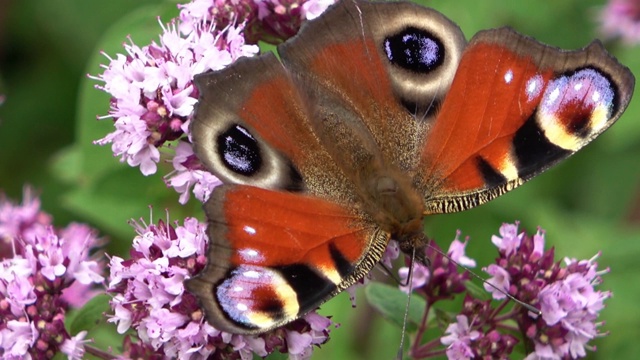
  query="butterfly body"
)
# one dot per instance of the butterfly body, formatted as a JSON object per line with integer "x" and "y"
{"x": 375, "y": 115}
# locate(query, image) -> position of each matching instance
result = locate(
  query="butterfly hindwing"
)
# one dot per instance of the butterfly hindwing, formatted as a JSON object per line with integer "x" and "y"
{"x": 276, "y": 255}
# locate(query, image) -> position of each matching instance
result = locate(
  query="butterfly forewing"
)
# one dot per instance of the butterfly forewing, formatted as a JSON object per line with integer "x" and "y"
{"x": 368, "y": 96}
{"x": 515, "y": 108}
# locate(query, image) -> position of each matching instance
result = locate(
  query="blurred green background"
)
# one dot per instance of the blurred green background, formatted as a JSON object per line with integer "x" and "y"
{"x": 48, "y": 121}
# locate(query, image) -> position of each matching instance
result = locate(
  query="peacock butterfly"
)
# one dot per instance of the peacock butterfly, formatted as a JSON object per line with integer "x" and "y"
{"x": 375, "y": 115}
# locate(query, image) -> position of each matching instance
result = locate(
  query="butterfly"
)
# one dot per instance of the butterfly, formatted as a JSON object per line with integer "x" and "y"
{"x": 374, "y": 116}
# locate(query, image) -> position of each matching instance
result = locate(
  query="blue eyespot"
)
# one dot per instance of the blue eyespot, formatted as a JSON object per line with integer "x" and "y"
{"x": 239, "y": 151}
{"x": 414, "y": 49}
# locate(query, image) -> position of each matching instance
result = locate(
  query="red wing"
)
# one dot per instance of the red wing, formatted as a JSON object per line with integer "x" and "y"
{"x": 252, "y": 127}
{"x": 277, "y": 255}
{"x": 515, "y": 108}
{"x": 358, "y": 91}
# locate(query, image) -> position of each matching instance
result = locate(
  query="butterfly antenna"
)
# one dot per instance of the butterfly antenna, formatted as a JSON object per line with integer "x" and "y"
{"x": 426, "y": 111}
{"x": 407, "y": 306}
{"x": 390, "y": 274}
{"x": 511, "y": 297}
{"x": 361, "y": 24}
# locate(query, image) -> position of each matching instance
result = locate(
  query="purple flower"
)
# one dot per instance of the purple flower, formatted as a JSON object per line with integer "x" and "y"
{"x": 17, "y": 338}
{"x": 189, "y": 174}
{"x": 489, "y": 329}
{"x": 500, "y": 281}
{"x": 149, "y": 297}
{"x": 565, "y": 295}
{"x": 538, "y": 243}
{"x": 621, "y": 18}
{"x": 152, "y": 87}
{"x": 459, "y": 339}
{"x": 570, "y": 307}
{"x": 509, "y": 239}
{"x": 441, "y": 279}
{"x": 391, "y": 253}
{"x": 47, "y": 266}
{"x": 24, "y": 221}
{"x": 457, "y": 252}
{"x": 74, "y": 346}
{"x": 280, "y": 19}
{"x": 420, "y": 277}
{"x": 314, "y": 8}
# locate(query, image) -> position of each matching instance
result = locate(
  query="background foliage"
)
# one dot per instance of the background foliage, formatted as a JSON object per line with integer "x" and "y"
{"x": 590, "y": 203}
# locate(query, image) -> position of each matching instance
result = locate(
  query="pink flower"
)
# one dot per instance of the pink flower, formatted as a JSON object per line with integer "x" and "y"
{"x": 457, "y": 252}
{"x": 509, "y": 239}
{"x": 17, "y": 338}
{"x": 35, "y": 280}
{"x": 499, "y": 279}
{"x": 391, "y": 253}
{"x": 420, "y": 277}
{"x": 459, "y": 339}
{"x": 314, "y": 8}
{"x": 152, "y": 87}
{"x": 149, "y": 296}
{"x": 572, "y": 304}
{"x": 74, "y": 346}
{"x": 189, "y": 174}
{"x": 441, "y": 278}
{"x": 23, "y": 221}
{"x": 538, "y": 243}
{"x": 621, "y": 18}
{"x": 566, "y": 296}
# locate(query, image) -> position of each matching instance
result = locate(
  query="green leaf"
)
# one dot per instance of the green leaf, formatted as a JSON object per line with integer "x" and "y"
{"x": 89, "y": 316}
{"x": 117, "y": 197}
{"x": 476, "y": 290}
{"x": 66, "y": 165}
{"x": 391, "y": 302}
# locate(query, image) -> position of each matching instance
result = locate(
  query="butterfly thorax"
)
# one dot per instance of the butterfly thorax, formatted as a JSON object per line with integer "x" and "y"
{"x": 397, "y": 208}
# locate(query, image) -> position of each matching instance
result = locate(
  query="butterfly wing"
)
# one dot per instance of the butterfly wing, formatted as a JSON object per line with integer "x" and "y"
{"x": 467, "y": 126}
{"x": 515, "y": 108}
{"x": 352, "y": 62}
{"x": 285, "y": 232}
{"x": 276, "y": 255}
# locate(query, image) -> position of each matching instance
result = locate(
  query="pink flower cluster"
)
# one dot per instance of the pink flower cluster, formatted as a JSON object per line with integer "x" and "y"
{"x": 43, "y": 272}
{"x": 621, "y": 18}
{"x": 149, "y": 296}
{"x": 271, "y": 21}
{"x": 565, "y": 296}
{"x": 441, "y": 279}
{"x": 152, "y": 88}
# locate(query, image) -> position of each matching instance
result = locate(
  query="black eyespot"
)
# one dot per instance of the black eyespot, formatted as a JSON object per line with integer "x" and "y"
{"x": 239, "y": 151}
{"x": 414, "y": 49}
